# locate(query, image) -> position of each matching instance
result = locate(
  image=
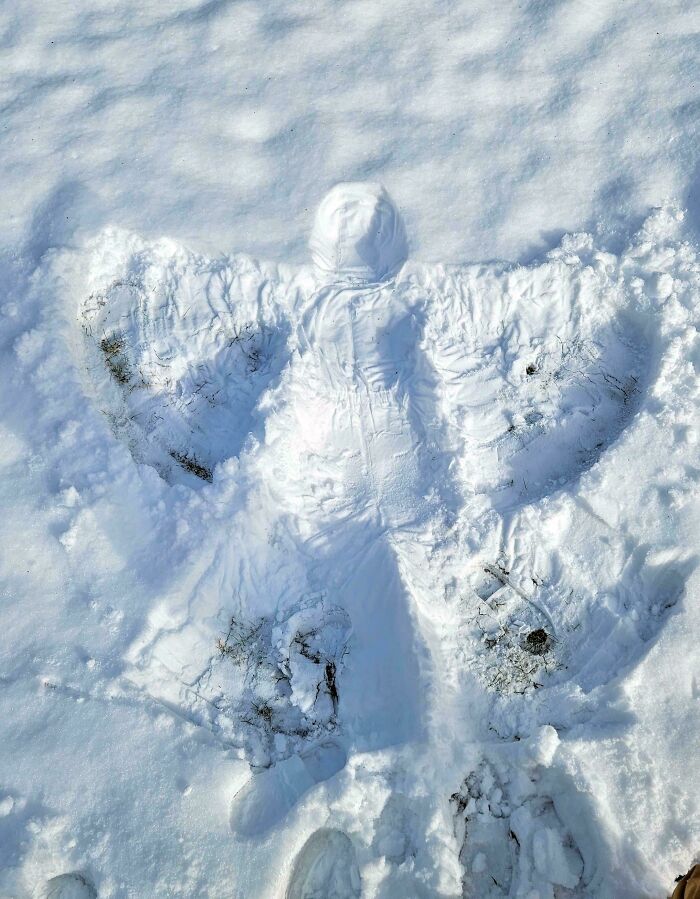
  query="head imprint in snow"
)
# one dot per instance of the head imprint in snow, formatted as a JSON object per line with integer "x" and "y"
{"x": 358, "y": 234}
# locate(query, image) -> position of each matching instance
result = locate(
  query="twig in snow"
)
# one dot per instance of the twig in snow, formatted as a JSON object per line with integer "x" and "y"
{"x": 500, "y": 575}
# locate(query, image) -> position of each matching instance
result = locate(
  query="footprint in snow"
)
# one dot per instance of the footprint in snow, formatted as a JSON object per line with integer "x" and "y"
{"x": 325, "y": 868}
{"x": 68, "y": 886}
{"x": 513, "y": 840}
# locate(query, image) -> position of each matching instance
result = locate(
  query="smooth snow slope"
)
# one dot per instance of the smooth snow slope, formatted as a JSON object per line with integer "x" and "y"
{"x": 497, "y": 125}
{"x": 325, "y": 575}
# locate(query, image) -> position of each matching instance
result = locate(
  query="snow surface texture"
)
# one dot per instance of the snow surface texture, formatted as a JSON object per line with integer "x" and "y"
{"x": 369, "y": 577}
{"x": 379, "y": 563}
{"x": 498, "y": 126}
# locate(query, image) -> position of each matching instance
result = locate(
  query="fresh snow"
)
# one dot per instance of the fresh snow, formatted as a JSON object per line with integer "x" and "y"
{"x": 340, "y": 560}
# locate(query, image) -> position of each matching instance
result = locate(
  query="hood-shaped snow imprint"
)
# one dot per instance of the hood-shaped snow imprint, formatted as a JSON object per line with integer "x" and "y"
{"x": 395, "y": 426}
{"x": 358, "y": 234}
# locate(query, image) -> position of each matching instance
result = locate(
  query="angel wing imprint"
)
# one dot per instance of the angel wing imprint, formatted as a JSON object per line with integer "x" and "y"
{"x": 182, "y": 349}
{"x": 539, "y": 370}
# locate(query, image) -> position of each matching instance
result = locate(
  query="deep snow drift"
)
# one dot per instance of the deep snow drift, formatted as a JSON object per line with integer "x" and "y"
{"x": 339, "y": 571}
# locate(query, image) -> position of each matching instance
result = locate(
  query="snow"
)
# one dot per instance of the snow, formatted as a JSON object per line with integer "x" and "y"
{"x": 339, "y": 559}
{"x": 358, "y": 233}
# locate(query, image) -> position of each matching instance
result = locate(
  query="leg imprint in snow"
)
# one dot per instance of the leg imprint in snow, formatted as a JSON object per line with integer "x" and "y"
{"x": 262, "y": 803}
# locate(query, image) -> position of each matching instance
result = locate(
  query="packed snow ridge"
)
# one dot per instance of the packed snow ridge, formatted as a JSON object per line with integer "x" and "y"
{"x": 401, "y": 535}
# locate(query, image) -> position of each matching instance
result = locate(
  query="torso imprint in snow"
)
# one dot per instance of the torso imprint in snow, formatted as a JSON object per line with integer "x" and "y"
{"x": 365, "y": 472}
{"x": 361, "y": 381}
